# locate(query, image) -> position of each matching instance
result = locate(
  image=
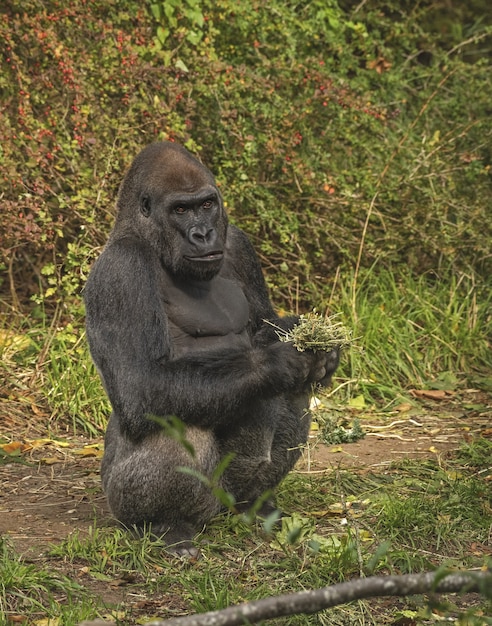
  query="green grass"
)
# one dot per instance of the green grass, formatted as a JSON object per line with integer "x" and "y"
{"x": 29, "y": 592}
{"x": 413, "y": 332}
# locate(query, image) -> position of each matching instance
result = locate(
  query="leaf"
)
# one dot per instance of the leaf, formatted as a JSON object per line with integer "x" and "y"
{"x": 446, "y": 381}
{"x": 15, "y": 448}
{"x": 180, "y": 65}
{"x": 156, "y": 10}
{"x": 162, "y": 34}
{"x": 294, "y": 529}
{"x": 39, "y": 443}
{"x": 432, "y": 394}
{"x": 330, "y": 545}
{"x": 90, "y": 450}
{"x": 270, "y": 522}
{"x": 11, "y": 340}
{"x": 50, "y": 460}
{"x": 358, "y": 402}
{"x": 404, "y": 407}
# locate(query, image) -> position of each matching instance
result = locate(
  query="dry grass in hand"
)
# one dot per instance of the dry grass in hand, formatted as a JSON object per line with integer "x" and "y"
{"x": 317, "y": 332}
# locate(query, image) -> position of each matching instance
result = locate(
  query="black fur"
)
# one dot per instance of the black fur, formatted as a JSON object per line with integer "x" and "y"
{"x": 175, "y": 308}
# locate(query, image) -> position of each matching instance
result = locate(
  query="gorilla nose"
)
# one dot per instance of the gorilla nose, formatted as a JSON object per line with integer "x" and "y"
{"x": 199, "y": 235}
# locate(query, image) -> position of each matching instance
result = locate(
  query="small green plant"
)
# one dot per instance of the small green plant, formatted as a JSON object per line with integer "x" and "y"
{"x": 333, "y": 433}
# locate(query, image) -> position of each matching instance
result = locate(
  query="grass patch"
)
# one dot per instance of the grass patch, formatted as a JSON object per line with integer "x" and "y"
{"x": 51, "y": 366}
{"x": 412, "y": 517}
{"x": 29, "y": 592}
{"x": 412, "y": 329}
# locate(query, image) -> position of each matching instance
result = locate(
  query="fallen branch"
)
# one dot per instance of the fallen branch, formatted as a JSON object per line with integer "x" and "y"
{"x": 319, "y": 599}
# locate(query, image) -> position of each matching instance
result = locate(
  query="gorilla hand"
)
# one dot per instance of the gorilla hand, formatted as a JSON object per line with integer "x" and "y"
{"x": 325, "y": 365}
{"x": 298, "y": 371}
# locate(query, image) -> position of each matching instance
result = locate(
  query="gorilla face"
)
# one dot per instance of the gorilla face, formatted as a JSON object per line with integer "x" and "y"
{"x": 195, "y": 222}
{"x": 170, "y": 200}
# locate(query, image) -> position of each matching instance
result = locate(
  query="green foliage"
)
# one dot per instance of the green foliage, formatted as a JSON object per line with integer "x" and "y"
{"x": 318, "y": 118}
{"x": 334, "y": 433}
{"x": 413, "y": 329}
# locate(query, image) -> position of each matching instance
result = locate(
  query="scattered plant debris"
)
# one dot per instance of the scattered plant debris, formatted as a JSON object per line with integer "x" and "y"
{"x": 334, "y": 434}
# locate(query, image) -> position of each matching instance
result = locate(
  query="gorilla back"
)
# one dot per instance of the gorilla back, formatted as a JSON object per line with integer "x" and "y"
{"x": 176, "y": 307}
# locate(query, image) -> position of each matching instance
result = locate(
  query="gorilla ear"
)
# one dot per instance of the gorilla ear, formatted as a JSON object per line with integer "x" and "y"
{"x": 145, "y": 206}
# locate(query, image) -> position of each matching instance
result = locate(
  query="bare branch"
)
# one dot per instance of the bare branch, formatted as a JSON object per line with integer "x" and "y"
{"x": 319, "y": 599}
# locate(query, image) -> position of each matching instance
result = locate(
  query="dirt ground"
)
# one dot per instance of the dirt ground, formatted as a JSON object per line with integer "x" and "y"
{"x": 53, "y": 487}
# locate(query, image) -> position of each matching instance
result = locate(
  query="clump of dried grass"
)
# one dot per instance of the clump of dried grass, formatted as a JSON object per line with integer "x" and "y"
{"x": 317, "y": 332}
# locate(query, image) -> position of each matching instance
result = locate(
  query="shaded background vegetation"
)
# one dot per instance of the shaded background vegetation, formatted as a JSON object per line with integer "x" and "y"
{"x": 352, "y": 141}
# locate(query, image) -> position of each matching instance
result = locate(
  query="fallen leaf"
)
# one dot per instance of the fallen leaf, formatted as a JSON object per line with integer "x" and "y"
{"x": 39, "y": 443}
{"x": 15, "y": 447}
{"x": 433, "y": 394}
{"x": 51, "y": 460}
{"x": 403, "y": 407}
{"x": 357, "y": 403}
{"x": 89, "y": 451}
{"x": 16, "y": 342}
{"x": 380, "y": 65}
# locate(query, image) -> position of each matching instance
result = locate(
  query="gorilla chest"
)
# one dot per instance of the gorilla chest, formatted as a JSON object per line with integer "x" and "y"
{"x": 206, "y": 315}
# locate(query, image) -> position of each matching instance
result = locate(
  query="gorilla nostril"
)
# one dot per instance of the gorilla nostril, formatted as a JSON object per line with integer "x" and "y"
{"x": 200, "y": 235}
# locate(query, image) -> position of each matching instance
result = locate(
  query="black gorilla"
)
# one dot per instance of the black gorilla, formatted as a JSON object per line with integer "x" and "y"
{"x": 176, "y": 307}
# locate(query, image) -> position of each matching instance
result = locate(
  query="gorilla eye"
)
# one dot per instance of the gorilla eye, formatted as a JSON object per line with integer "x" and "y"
{"x": 179, "y": 209}
{"x": 208, "y": 204}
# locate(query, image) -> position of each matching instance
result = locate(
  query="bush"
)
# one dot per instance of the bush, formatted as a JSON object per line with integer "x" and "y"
{"x": 341, "y": 135}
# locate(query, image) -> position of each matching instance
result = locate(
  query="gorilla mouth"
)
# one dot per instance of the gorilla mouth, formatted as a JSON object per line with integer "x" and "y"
{"x": 216, "y": 255}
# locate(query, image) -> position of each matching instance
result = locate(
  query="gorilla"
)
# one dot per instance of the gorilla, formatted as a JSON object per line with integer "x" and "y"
{"x": 177, "y": 314}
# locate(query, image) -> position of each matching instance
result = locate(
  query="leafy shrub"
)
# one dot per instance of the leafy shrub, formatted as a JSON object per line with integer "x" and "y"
{"x": 341, "y": 134}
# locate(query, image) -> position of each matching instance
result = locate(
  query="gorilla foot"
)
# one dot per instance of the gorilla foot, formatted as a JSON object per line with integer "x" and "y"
{"x": 178, "y": 539}
{"x": 271, "y": 516}
{"x": 266, "y": 510}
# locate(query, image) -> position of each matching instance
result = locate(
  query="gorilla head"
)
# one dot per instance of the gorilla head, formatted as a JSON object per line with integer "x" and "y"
{"x": 170, "y": 200}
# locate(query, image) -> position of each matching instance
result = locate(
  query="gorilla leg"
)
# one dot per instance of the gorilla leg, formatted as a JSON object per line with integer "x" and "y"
{"x": 144, "y": 486}
{"x": 283, "y": 421}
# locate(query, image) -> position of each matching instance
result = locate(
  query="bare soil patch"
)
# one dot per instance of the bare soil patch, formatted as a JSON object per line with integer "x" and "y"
{"x": 425, "y": 430}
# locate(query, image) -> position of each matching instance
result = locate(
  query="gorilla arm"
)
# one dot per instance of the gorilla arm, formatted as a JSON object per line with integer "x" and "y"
{"x": 246, "y": 268}
{"x": 129, "y": 339}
